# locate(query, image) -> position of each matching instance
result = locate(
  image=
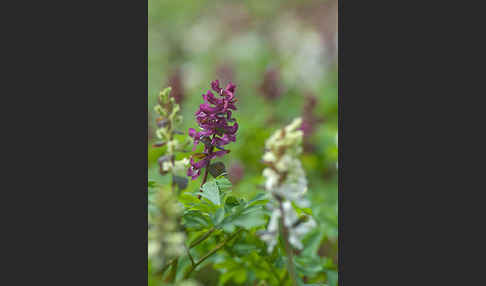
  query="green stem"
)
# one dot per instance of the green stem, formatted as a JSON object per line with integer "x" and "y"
{"x": 206, "y": 169}
{"x": 202, "y": 238}
{"x": 173, "y": 271}
{"x": 288, "y": 249}
{"x": 195, "y": 243}
{"x": 209, "y": 254}
{"x": 190, "y": 256}
{"x": 161, "y": 271}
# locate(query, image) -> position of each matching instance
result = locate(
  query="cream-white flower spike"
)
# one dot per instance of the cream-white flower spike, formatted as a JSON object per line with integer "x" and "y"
{"x": 285, "y": 180}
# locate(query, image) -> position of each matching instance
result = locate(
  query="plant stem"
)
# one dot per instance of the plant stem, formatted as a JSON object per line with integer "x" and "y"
{"x": 195, "y": 243}
{"x": 202, "y": 238}
{"x": 190, "y": 256}
{"x": 206, "y": 169}
{"x": 161, "y": 271}
{"x": 288, "y": 248}
{"x": 173, "y": 271}
{"x": 172, "y": 158}
{"x": 209, "y": 254}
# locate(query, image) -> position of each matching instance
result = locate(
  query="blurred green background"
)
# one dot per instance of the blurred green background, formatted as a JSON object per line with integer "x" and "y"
{"x": 282, "y": 55}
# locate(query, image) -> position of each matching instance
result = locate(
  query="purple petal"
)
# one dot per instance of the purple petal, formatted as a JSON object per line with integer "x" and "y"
{"x": 229, "y": 137}
{"x": 209, "y": 98}
{"x": 231, "y": 87}
{"x": 215, "y": 86}
{"x": 219, "y": 153}
{"x": 208, "y": 109}
{"x": 202, "y": 163}
{"x": 232, "y": 129}
{"x": 192, "y": 132}
{"x": 220, "y": 141}
{"x": 193, "y": 173}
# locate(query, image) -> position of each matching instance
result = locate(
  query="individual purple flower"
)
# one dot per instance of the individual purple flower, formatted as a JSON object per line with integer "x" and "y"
{"x": 195, "y": 169}
{"x": 213, "y": 117}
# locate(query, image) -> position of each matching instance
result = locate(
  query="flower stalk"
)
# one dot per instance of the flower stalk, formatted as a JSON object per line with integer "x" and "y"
{"x": 288, "y": 249}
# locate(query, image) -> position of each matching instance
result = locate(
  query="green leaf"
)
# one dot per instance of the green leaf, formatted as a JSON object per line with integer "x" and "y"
{"x": 332, "y": 277}
{"x": 211, "y": 192}
{"x": 251, "y": 209}
{"x": 312, "y": 243}
{"x": 188, "y": 198}
{"x": 218, "y": 216}
{"x": 244, "y": 249}
{"x": 203, "y": 206}
{"x": 239, "y": 275}
{"x": 309, "y": 265}
{"x": 225, "y": 277}
{"x": 250, "y": 220}
{"x": 223, "y": 183}
{"x": 195, "y": 220}
{"x": 258, "y": 197}
{"x": 228, "y": 227}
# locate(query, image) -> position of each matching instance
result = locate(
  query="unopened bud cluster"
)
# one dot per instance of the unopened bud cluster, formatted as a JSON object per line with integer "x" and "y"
{"x": 168, "y": 119}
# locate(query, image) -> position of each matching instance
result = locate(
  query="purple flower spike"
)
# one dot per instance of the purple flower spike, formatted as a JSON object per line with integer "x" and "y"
{"x": 213, "y": 117}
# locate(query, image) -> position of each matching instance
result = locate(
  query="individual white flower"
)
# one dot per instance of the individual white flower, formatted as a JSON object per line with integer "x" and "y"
{"x": 177, "y": 167}
{"x": 296, "y": 228}
{"x": 304, "y": 227}
{"x": 171, "y": 146}
{"x": 271, "y": 234}
{"x": 271, "y": 178}
{"x": 290, "y": 217}
{"x": 284, "y": 163}
{"x": 269, "y": 157}
{"x": 181, "y": 165}
{"x": 167, "y": 166}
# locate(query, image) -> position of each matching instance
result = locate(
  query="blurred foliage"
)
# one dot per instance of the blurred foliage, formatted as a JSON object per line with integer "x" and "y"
{"x": 200, "y": 41}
